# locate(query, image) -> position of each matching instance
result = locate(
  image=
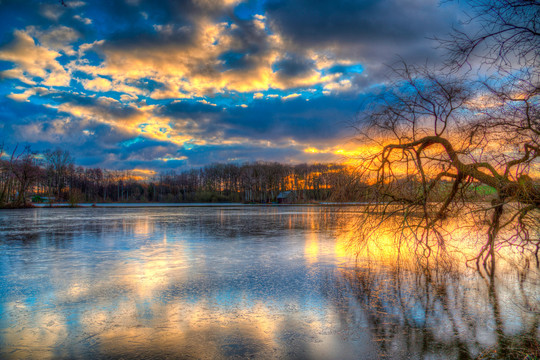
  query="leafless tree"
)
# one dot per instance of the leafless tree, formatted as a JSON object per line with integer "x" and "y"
{"x": 26, "y": 170}
{"x": 58, "y": 163}
{"x": 440, "y": 138}
{"x": 18, "y": 174}
{"x": 506, "y": 33}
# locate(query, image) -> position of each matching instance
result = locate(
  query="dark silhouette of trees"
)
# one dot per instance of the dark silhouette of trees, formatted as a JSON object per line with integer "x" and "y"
{"x": 59, "y": 164}
{"x": 26, "y": 170}
{"x": 17, "y": 176}
{"x": 53, "y": 177}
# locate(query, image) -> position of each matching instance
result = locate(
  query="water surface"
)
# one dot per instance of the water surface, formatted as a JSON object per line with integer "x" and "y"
{"x": 239, "y": 282}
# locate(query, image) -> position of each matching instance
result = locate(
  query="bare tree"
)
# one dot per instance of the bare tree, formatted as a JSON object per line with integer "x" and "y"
{"x": 26, "y": 170}
{"x": 18, "y": 175}
{"x": 505, "y": 33}
{"x": 58, "y": 163}
{"x": 441, "y": 138}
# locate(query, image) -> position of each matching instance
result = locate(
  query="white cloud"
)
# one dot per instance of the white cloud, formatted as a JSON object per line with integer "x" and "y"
{"x": 343, "y": 85}
{"x": 86, "y": 21}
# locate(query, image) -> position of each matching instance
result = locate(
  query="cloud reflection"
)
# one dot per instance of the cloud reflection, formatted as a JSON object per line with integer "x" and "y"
{"x": 202, "y": 283}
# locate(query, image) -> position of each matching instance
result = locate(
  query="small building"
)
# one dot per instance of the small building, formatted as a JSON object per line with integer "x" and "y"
{"x": 286, "y": 197}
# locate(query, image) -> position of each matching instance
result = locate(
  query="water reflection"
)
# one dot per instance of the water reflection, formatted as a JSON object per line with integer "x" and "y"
{"x": 243, "y": 282}
{"x": 427, "y": 313}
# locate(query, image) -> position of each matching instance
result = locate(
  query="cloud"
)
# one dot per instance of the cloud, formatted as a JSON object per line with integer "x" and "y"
{"x": 291, "y": 96}
{"x": 134, "y": 83}
{"x": 204, "y": 58}
{"x": 343, "y": 85}
{"x": 22, "y": 96}
{"x": 86, "y": 21}
{"x": 369, "y": 32}
{"x": 51, "y": 12}
{"x": 33, "y": 61}
{"x": 98, "y": 84}
{"x": 357, "y": 23}
{"x": 58, "y": 38}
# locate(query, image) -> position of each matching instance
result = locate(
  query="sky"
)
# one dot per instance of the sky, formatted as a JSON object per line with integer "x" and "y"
{"x": 158, "y": 85}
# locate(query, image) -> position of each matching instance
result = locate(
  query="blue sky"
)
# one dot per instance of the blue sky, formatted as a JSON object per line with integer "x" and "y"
{"x": 134, "y": 84}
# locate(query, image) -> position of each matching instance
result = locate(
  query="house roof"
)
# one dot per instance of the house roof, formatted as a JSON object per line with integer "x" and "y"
{"x": 285, "y": 194}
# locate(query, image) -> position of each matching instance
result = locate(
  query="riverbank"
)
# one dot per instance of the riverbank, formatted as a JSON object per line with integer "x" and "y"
{"x": 153, "y": 205}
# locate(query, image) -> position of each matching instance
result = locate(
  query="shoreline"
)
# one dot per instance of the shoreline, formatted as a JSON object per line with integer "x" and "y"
{"x": 171, "y": 205}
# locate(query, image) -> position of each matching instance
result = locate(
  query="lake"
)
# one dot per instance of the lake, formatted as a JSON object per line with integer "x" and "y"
{"x": 243, "y": 282}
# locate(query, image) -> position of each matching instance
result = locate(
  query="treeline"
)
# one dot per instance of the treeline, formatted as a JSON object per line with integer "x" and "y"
{"x": 52, "y": 176}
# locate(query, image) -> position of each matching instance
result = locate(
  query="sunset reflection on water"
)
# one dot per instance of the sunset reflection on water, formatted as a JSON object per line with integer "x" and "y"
{"x": 265, "y": 282}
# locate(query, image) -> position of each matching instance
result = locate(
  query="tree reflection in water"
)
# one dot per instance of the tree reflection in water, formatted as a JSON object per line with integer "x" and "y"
{"x": 426, "y": 307}
{"x": 268, "y": 282}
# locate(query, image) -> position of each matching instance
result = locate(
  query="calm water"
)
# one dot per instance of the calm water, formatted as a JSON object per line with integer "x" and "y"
{"x": 240, "y": 282}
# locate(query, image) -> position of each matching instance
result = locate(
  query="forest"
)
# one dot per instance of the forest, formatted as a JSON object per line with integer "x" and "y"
{"x": 53, "y": 177}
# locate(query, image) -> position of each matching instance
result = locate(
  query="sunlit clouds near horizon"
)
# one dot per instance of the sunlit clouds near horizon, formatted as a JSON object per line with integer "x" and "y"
{"x": 177, "y": 84}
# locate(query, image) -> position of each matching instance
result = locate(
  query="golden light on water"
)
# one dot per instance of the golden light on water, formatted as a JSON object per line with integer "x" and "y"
{"x": 171, "y": 296}
{"x": 311, "y": 248}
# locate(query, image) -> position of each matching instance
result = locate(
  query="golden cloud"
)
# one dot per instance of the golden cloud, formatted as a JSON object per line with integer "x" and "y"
{"x": 32, "y": 61}
{"x": 194, "y": 68}
{"x": 97, "y": 84}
